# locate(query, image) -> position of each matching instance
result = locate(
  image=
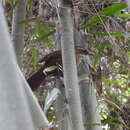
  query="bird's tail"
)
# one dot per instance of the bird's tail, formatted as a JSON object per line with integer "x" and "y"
{"x": 36, "y": 79}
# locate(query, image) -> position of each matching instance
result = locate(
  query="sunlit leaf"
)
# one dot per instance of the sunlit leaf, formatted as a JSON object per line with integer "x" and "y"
{"x": 111, "y": 10}
{"x": 52, "y": 119}
{"x": 108, "y": 81}
{"x": 91, "y": 124}
{"x": 9, "y": 1}
{"x": 122, "y": 15}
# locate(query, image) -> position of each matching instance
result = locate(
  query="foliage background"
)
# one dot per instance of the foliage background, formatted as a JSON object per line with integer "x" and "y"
{"x": 105, "y": 25}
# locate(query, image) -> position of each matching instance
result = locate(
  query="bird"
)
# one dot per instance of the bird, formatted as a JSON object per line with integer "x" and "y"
{"x": 52, "y": 59}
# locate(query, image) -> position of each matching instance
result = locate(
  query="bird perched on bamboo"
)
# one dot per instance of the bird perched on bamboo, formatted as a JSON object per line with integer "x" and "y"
{"x": 52, "y": 59}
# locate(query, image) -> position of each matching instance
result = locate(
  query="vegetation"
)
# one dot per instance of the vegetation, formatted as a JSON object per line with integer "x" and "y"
{"x": 105, "y": 28}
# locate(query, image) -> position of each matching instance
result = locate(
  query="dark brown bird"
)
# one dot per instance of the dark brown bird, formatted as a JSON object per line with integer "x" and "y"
{"x": 52, "y": 59}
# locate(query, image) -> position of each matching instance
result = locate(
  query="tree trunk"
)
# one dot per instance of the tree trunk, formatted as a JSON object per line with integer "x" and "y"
{"x": 128, "y": 3}
{"x": 70, "y": 70}
{"x": 88, "y": 98}
{"x": 14, "y": 112}
{"x": 19, "y": 109}
{"x": 18, "y": 29}
{"x": 87, "y": 92}
{"x": 62, "y": 115}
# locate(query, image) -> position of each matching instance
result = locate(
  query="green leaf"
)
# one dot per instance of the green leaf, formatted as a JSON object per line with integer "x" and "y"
{"x": 28, "y": 1}
{"x": 91, "y": 124}
{"x": 122, "y": 15}
{"x": 113, "y": 120}
{"x": 94, "y": 20}
{"x": 108, "y": 11}
{"x": 100, "y": 51}
{"x": 14, "y": 6}
{"x": 41, "y": 32}
{"x": 54, "y": 119}
{"x": 112, "y": 104}
{"x": 108, "y": 81}
{"x": 27, "y": 21}
{"x": 49, "y": 69}
{"x": 106, "y": 34}
{"x": 41, "y": 29}
{"x": 111, "y": 10}
{"x": 122, "y": 125}
{"x": 49, "y": 44}
{"x": 9, "y": 1}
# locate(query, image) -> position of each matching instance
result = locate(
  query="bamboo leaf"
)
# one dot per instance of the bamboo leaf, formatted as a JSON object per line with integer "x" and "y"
{"x": 14, "y": 6}
{"x": 111, "y": 10}
{"x": 106, "y": 34}
{"x": 27, "y": 21}
{"x": 108, "y": 81}
{"x": 91, "y": 124}
{"x": 122, "y": 15}
{"x": 111, "y": 103}
{"x": 108, "y": 11}
{"x": 94, "y": 20}
{"x": 100, "y": 51}
{"x": 41, "y": 31}
{"x": 9, "y": 1}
